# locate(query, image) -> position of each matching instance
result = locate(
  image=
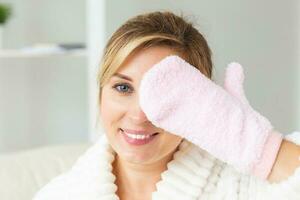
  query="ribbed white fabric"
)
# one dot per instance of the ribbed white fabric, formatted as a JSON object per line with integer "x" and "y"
{"x": 193, "y": 174}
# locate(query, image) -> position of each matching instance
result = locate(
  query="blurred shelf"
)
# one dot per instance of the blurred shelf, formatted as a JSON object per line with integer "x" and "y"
{"x": 14, "y": 53}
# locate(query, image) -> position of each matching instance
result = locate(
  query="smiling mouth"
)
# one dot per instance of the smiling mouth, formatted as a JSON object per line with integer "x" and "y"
{"x": 140, "y": 134}
{"x": 141, "y": 138}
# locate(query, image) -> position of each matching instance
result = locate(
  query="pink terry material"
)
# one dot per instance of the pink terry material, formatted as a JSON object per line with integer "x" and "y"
{"x": 264, "y": 166}
{"x": 178, "y": 98}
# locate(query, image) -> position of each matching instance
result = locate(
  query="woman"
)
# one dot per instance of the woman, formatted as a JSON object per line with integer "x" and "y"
{"x": 160, "y": 141}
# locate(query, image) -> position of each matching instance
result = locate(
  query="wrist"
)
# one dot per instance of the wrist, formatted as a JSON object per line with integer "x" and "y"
{"x": 267, "y": 159}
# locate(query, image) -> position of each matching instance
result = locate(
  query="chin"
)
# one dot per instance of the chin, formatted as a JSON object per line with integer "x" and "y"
{"x": 135, "y": 157}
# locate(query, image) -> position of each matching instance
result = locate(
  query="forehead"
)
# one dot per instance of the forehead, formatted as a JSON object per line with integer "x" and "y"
{"x": 141, "y": 61}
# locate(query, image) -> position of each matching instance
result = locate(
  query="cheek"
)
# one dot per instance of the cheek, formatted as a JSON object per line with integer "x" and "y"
{"x": 168, "y": 144}
{"x": 171, "y": 142}
{"x": 112, "y": 107}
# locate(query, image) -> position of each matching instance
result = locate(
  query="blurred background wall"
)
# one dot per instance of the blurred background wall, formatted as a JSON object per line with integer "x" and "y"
{"x": 45, "y": 100}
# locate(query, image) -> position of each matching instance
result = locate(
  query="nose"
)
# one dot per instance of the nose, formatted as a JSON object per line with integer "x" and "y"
{"x": 137, "y": 115}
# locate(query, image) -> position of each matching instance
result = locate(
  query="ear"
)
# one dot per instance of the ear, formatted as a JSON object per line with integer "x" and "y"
{"x": 234, "y": 80}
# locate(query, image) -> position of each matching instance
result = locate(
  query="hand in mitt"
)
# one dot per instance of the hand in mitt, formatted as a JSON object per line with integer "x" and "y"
{"x": 178, "y": 98}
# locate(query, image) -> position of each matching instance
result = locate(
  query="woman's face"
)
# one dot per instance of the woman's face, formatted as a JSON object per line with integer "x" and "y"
{"x": 120, "y": 109}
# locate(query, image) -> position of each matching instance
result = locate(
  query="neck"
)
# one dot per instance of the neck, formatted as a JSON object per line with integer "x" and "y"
{"x": 138, "y": 179}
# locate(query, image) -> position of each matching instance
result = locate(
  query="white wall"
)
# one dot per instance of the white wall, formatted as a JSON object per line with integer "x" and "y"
{"x": 262, "y": 35}
{"x": 45, "y": 21}
{"x": 297, "y": 43}
{"x": 43, "y": 100}
{"x": 96, "y": 40}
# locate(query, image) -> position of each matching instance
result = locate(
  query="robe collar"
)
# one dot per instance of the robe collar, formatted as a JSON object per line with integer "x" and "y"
{"x": 186, "y": 176}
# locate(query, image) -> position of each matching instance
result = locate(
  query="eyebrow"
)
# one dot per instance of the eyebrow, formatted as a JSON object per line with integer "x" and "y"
{"x": 123, "y": 76}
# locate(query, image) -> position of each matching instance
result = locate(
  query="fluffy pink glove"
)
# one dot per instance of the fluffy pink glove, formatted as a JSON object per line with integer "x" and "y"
{"x": 178, "y": 98}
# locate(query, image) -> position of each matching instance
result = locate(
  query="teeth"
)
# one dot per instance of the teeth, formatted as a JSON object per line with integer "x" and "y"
{"x": 139, "y": 137}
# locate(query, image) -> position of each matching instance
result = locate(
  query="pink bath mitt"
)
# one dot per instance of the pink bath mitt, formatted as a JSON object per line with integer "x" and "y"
{"x": 178, "y": 98}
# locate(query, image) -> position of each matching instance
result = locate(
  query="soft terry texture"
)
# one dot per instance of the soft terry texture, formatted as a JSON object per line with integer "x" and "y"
{"x": 177, "y": 97}
{"x": 193, "y": 174}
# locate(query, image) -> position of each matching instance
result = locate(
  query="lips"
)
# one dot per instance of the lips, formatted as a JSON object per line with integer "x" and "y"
{"x": 139, "y": 132}
{"x": 138, "y": 139}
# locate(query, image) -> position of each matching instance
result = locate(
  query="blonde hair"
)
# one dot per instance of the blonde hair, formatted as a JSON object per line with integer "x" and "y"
{"x": 154, "y": 29}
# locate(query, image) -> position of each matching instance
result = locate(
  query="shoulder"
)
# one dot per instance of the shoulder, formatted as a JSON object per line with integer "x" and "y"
{"x": 55, "y": 189}
{"x": 83, "y": 180}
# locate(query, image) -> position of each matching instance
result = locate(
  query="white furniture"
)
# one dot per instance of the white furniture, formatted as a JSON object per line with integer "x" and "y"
{"x": 23, "y": 173}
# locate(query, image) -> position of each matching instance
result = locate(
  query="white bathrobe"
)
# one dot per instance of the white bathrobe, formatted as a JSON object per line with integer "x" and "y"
{"x": 192, "y": 174}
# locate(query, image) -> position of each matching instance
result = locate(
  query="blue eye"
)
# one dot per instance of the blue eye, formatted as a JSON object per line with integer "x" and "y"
{"x": 123, "y": 88}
